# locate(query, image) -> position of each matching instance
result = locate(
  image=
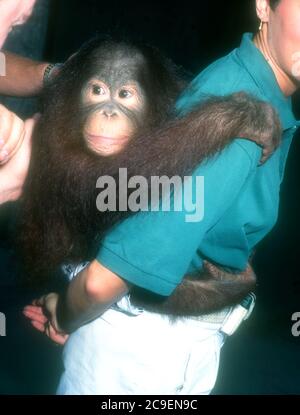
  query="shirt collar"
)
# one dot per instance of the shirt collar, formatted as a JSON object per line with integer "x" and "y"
{"x": 262, "y": 74}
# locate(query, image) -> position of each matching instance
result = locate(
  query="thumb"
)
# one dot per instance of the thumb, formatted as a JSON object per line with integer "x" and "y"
{"x": 23, "y": 155}
{"x": 29, "y": 126}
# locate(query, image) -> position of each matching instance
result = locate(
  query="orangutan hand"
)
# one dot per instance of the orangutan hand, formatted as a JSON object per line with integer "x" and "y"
{"x": 42, "y": 315}
{"x": 218, "y": 274}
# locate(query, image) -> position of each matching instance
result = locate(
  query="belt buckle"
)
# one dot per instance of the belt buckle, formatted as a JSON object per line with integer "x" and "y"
{"x": 239, "y": 313}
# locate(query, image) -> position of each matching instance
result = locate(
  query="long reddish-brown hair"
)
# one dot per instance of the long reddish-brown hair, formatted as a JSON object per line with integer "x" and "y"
{"x": 60, "y": 221}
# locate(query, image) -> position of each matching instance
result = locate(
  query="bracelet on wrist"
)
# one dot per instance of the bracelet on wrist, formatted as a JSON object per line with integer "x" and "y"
{"x": 50, "y": 71}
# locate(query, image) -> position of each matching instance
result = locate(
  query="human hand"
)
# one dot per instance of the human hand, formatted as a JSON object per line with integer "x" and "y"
{"x": 12, "y": 133}
{"x": 15, "y": 153}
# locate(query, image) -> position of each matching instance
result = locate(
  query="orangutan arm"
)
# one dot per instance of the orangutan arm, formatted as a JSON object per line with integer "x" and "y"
{"x": 210, "y": 291}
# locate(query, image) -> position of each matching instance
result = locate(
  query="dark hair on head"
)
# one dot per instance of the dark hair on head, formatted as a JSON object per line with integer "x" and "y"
{"x": 274, "y": 3}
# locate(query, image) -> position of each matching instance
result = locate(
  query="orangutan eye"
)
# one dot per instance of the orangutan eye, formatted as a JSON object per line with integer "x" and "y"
{"x": 124, "y": 93}
{"x": 98, "y": 90}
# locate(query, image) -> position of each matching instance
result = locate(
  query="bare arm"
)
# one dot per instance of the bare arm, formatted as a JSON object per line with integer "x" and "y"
{"x": 88, "y": 295}
{"x": 23, "y": 76}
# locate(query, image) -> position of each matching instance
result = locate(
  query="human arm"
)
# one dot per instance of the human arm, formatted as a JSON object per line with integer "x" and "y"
{"x": 23, "y": 76}
{"x": 88, "y": 295}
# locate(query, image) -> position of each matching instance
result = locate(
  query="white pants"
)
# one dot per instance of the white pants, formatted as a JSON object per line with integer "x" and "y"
{"x": 130, "y": 351}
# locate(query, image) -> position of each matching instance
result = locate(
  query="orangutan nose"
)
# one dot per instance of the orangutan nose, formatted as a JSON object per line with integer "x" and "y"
{"x": 109, "y": 111}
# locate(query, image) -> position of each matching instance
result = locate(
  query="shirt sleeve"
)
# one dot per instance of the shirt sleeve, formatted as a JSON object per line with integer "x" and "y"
{"x": 153, "y": 250}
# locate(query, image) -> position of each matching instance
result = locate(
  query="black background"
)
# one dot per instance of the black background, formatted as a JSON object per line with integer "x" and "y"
{"x": 263, "y": 357}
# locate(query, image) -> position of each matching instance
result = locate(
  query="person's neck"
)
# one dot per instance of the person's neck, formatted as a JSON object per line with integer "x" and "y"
{"x": 286, "y": 84}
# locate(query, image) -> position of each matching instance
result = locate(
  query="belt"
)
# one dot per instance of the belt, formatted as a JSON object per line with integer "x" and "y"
{"x": 229, "y": 318}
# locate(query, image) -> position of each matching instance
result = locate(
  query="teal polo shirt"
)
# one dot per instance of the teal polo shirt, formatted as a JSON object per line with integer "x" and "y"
{"x": 154, "y": 250}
